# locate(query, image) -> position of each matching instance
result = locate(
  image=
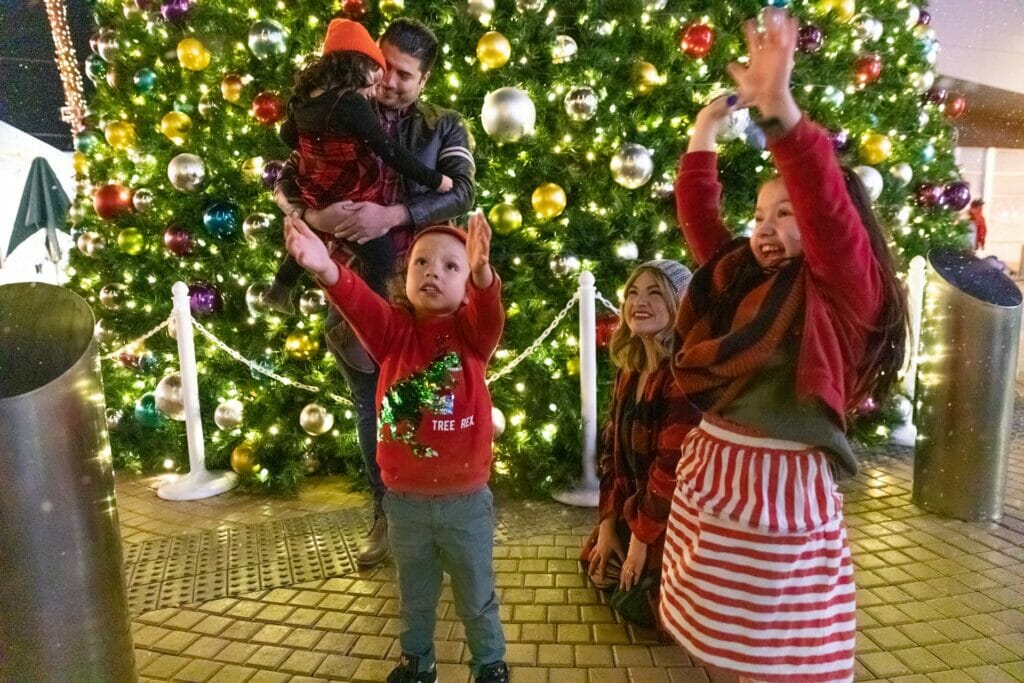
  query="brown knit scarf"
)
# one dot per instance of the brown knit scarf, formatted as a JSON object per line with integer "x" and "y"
{"x": 735, "y": 315}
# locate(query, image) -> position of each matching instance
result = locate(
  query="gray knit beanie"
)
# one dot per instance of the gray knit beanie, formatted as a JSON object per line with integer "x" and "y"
{"x": 675, "y": 272}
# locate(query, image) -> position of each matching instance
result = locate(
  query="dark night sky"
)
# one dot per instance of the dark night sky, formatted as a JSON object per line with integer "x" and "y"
{"x": 30, "y": 89}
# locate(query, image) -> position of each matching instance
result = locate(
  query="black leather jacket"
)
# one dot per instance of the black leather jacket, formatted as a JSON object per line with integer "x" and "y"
{"x": 440, "y": 140}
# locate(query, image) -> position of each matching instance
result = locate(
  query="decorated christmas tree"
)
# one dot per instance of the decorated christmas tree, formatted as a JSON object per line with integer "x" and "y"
{"x": 579, "y": 108}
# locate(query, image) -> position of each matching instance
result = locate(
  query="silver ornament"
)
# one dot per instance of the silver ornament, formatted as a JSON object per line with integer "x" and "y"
{"x": 256, "y": 226}
{"x": 112, "y": 296}
{"x": 310, "y": 462}
{"x": 564, "y": 49}
{"x": 169, "y": 399}
{"x": 872, "y": 180}
{"x": 632, "y": 166}
{"x": 186, "y": 172}
{"x": 662, "y": 189}
{"x": 529, "y": 5}
{"x": 833, "y": 96}
{"x": 207, "y": 106}
{"x": 922, "y": 81}
{"x": 481, "y": 10}
{"x": 142, "y": 199}
{"x": 90, "y": 243}
{"x": 581, "y": 103}
{"x": 106, "y": 44}
{"x": 315, "y": 419}
{"x": 565, "y": 264}
{"x": 913, "y": 15}
{"x": 228, "y": 414}
{"x": 254, "y": 294}
{"x": 902, "y": 173}
{"x": 508, "y": 114}
{"x": 655, "y": 5}
{"x": 627, "y": 250}
{"x": 497, "y": 421}
{"x": 604, "y": 29}
{"x": 734, "y": 126}
{"x": 267, "y": 39}
{"x": 869, "y": 29}
{"x": 172, "y": 327}
{"x": 104, "y": 333}
{"x": 312, "y": 301}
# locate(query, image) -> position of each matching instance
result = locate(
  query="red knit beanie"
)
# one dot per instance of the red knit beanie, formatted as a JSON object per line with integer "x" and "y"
{"x": 347, "y": 35}
{"x": 443, "y": 228}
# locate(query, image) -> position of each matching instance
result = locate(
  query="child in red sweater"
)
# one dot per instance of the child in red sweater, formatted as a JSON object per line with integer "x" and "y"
{"x": 780, "y": 336}
{"x": 435, "y": 432}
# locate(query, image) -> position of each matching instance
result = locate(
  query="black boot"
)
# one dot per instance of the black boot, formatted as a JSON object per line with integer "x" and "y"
{"x": 375, "y": 546}
{"x": 279, "y": 298}
{"x": 494, "y": 673}
{"x": 406, "y": 672}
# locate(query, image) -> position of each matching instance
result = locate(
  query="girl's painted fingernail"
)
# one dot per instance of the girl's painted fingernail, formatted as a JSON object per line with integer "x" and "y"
{"x": 732, "y": 99}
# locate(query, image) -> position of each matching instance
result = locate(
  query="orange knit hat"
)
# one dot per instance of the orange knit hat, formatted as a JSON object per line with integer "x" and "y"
{"x": 347, "y": 35}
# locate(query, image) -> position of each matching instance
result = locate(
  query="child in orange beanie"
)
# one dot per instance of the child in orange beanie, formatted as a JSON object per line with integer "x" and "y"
{"x": 340, "y": 146}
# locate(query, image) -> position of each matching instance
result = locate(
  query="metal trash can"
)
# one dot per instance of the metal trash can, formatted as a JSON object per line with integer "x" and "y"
{"x": 63, "y": 603}
{"x": 965, "y": 385}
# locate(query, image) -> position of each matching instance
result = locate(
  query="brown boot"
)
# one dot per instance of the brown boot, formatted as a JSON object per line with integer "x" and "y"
{"x": 279, "y": 298}
{"x": 375, "y": 546}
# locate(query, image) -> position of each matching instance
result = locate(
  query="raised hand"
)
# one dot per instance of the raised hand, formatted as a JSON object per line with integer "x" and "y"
{"x": 764, "y": 82}
{"x": 309, "y": 250}
{"x": 705, "y": 127}
{"x": 478, "y": 250}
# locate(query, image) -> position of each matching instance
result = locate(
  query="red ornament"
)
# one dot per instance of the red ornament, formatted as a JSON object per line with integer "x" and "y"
{"x": 604, "y": 328}
{"x": 111, "y": 201}
{"x": 956, "y": 105}
{"x": 867, "y": 69}
{"x": 129, "y": 360}
{"x": 354, "y": 9}
{"x": 268, "y": 108}
{"x": 696, "y": 40}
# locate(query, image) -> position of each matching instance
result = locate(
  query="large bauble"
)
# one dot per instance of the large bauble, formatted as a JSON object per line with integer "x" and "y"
{"x": 632, "y": 166}
{"x": 131, "y": 241}
{"x": 175, "y": 126}
{"x": 581, "y": 103}
{"x": 142, "y": 199}
{"x": 508, "y": 114}
{"x": 505, "y": 218}
{"x": 146, "y": 413}
{"x": 902, "y": 173}
{"x": 111, "y": 201}
{"x": 301, "y": 346}
{"x": 493, "y": 50}
{"x": 256, "y": 226}
{"x": 564, "y": 49}
{"x": 956, "y": 195}
{"x": 312, "y": 301}
{"x": 120, "y": 134}
{"x": 178, "y": 240}
{"x": 228, "y": 414}
{"x": 192, "y": 54}
{"x": 243, "y": 459}
{"x": 872, "y": 180}
{"x": 186, "y": 172}
{"x": 548, "y": 200}
{"x": 169, "y": 397}
{"x": 113, "y": 296}
{"x": 315, "y": 419}
{"x": 497, "y": 421}
{"x": 204, "y": 299}
{"x": 268, "y": 39}
{"x": 220, "y": 219}
{"x": 254, "y": 294}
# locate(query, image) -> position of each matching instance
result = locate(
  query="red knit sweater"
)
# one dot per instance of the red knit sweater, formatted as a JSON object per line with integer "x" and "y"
{"x": 404, "y": 346}
{"x": 844, "y": 284}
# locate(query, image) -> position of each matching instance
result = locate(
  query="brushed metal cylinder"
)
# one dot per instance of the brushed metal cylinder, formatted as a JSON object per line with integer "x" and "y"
{"x": 63, "y": 602}
{"x": 965, "y": 383}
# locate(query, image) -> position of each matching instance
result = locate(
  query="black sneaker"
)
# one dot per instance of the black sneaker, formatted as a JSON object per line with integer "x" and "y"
{"x": 406, "y": 672}
{"x": 494, "y": 673}
{"x": 279, "y": 298}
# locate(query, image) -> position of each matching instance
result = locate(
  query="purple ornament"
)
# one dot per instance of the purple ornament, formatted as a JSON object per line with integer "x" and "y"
{"x": 271, "y": 172}
{"x": 178, "y": 240}
{"x": 204, "y": 298}
{"x": 174, "y": 11}
{"x": 839, "y": 139}
{"x": 867, "y": 406}
{"x": 924, "y": 18}
{"x": 928, "y": 194}
{"x": 936, "y": 95}
{"x": 956, "y": 195}
{"x": 810, "y": 38}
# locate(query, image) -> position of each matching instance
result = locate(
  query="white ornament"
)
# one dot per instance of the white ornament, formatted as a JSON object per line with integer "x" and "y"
{"x": 872, "y": 180}
{"x": 498, "y": 421}
{"x": 734, "y": 126}
{"x": 632, "y": 166}
{"x": 508, "y": 114}
{"x": 564, "y": 49}
{"x": 581, "y": 103}
{"x": 228, "y": 414}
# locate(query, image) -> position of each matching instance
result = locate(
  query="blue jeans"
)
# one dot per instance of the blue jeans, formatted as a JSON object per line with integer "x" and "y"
{"x": 364, "y": 396}
{"x": 454, "y": 534}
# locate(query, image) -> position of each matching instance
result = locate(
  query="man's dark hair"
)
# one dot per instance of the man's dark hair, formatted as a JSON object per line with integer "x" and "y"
{"x": 413, "y": 38}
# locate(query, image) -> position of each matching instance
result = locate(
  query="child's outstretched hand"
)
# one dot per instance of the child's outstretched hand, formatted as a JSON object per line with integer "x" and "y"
{"x": 764, "y": 82}
{"x": 478, "y": 250}
{"x": 309, "y": 250}
{"x": 705, "y": 126}
{"x": 446, "y": 184}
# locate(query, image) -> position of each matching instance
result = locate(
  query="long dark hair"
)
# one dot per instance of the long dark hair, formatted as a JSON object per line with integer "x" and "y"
{"x": 887, "y": 343}
{"x": 343, "y": 70}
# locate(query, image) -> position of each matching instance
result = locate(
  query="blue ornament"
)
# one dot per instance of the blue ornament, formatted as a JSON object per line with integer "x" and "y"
{"x": 927, "y": 153}
{"x": 95, "y": 68}
{"x": 147, "y": 362}
{"x": 146, "y": 413}
{"x": 144, "y": 80}
{"x": 87, "y": 141}
{"x": 184, "y": 107}
{"x": 221, "y": 219}
{"x": 266, "y": 364}
{"x": 776, "y": 3}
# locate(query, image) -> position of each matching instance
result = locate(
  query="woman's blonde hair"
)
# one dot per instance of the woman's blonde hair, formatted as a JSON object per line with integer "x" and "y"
{"x": 626, "y": 349}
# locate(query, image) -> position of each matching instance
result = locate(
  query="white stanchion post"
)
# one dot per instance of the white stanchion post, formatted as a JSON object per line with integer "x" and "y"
{"x": 587, "y": 491}
{"x": 905, "y": 434}
{"x": 198, "y": 483}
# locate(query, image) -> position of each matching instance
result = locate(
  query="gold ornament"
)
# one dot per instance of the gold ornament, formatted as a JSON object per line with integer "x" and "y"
{"x": 120, "y": 135}
{"x": 875, "y": 148}
{"x": 301, "y": 346}
{"x": 81, "y": 163}
{"x": 131, "y": 241}
{"x": 646, "y": 77}
{"x": 572, "y": 366}
{"x": 505, "y": 218}
{"x": 243, "y": 459}
{"x": 231, "y": 87}
{"x": 548, "y": 201}
{"x": 192, "y": 54}
{"x": 315, "y": 419}
{"x": 252, "y": 168}
{"x": 493, "y": 50}
{"x": 843, "y": 9}
{"x": 175, "y": 126}
{"x": 390, "y": 8}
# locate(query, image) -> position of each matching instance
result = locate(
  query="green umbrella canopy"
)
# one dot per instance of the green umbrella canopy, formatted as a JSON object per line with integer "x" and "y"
{"x": 44, "y": 206}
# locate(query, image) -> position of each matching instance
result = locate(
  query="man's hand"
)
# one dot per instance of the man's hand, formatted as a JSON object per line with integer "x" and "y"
{"x": 309, "y": 251}
{"x": 478, "y": 250}
{"x": 361, "y": 222}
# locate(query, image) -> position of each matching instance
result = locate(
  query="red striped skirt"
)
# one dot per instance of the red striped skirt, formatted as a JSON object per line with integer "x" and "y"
{"x": 757, "y": 576}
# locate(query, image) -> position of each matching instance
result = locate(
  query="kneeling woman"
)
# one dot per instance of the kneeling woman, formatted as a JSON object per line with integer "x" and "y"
{"x": 649, "y": 417}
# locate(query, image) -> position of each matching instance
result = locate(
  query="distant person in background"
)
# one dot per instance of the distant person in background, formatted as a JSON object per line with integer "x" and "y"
{"x": 978, "y": 223}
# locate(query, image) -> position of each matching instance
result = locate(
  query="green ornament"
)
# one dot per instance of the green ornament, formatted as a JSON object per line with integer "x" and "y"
{"x": 87, "y": 141}
{"x": 146, "y": 412}
{"x": 144, "y": 80}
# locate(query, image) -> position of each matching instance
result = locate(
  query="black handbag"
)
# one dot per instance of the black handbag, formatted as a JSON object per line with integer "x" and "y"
{"x": 636, "y": 604}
